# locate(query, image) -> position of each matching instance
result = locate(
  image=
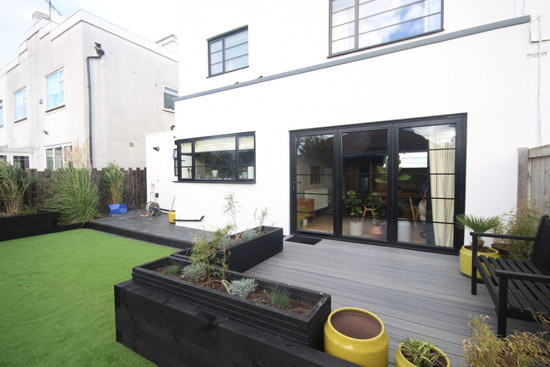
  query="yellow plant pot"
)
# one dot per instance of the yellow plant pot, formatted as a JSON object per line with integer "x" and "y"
{"x": 172, "y": 216}
{"x": 401, "y": 361}
{"x": 357, "y": 336}
{"x": 466, "y": 259}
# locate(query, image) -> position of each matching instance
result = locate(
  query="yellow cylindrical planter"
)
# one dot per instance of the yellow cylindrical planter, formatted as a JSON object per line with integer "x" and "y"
{"x": 401, "y": 361}
{"x": 172, "y": 216}
{"x": 465, "y": 259}
{"x": 357, "y": 336}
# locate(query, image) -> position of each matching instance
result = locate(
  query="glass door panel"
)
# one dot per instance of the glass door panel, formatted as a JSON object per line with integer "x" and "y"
{"x": 426, "y": 185}
{"x": 315, "y": 183}
{"x": 365, "y": 178}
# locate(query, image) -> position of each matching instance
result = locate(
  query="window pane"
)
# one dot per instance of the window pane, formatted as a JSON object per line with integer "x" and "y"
{"x": 58, "y": 156}
{"x": 215, "y": 144}
{"x": 343, "y": 16}
{"x": 341, "y": 4}
{"x": 1, "y": 113}
{"x": 21, "y": 104}
{"x": 239, "y": 62}
{"x": 343, "y": 31}
{"x": 216, "y": 46}
{"x": 186, "y": 147}
{"x": 246, "y": 142}
{"x": 216, "y": 57}
{"x": 236, "y": 39}
{"x": 215, "y": 165}
{"x": 236, "y": 51}
{"x": 396, "y": 16}
{"x": 376, "y": 7}
{"x": 171, "y": 90}
{"x": 49, "y": 158}
{"x": 168, "y": 101}
{"x": 216, "y": 68}
{"x": 61, "y": 92}
{"x": 343, "y": 45}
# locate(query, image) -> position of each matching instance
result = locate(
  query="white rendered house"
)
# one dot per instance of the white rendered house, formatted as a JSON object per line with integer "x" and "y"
{"x": 85, "y": 81}
{"x": 412, "y": 111}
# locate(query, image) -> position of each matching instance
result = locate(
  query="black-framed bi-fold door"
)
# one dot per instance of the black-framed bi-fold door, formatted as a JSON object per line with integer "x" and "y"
{"x": 395, "y": 183}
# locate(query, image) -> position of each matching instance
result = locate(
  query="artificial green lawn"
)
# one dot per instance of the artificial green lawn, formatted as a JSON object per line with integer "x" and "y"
{"x": 57, "y": 298}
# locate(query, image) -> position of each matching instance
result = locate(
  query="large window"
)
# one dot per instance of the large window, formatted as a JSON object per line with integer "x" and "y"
{"x": 22, "y": 161}
{"x": 359, "y": 24}
{"x": 228, "y": 52}
{"x": 1, "y": 113}
{"x": 56, "y": 157}
{"x": 56, "y": 89}
{"x": 21, "y": 104}
{"x": 221, "y": 158}
{"x": 169, "y": 95}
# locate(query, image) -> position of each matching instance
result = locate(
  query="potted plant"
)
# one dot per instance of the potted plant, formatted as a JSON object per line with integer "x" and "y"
{"x": 416, "y": 352}
{"x": 378, "y": 203}
{"x": 357, "y": 336}
{"x": 480, "y": 225}
{"x": 113, "y": 188}
{"x": 354, "y": 204}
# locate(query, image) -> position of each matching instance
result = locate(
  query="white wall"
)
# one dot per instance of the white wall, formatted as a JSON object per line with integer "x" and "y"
{"x": 487, "y": 76}
{"x": 160, "y": 168}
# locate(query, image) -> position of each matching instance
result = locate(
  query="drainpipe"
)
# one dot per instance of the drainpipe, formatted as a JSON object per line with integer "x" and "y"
{"x": 100, "y": 53}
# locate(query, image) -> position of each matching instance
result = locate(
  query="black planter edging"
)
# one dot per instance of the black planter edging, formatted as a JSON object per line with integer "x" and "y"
{"x": 141, "y": 236}
{"x": 307, "y": 330}
{"x": 248, "y": 254}
{"x": 171, "y": 332}
{"x": 20, "y": 226}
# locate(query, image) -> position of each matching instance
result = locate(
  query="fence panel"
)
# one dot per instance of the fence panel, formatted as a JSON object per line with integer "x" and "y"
{"x": 534, "y": 176}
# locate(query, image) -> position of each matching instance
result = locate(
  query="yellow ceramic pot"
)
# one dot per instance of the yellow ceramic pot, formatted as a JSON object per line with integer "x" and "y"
{"x": 401, "y": 361}
{"x": 357, "y": 336}
{"x": 466, "y": 259}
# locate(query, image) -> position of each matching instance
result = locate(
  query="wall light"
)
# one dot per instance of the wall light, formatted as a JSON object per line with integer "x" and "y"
{"x": 156, "y": 148}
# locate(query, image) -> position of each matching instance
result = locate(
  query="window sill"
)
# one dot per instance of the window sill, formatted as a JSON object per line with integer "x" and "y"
{"x": 20, "y": 120}
{"x": 167, "y": 110}
{"x": 227, "y": 72}
{"x": 55, "y": 108}
{"x": 245, "y": 182}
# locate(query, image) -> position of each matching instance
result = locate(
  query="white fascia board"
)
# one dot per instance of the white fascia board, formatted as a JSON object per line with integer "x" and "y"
{"x": 84, "y": 16}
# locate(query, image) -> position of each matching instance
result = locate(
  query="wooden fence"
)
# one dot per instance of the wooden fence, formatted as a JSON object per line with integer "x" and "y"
{"x": 534, "y": 176}
{"x": 135, "y": 186}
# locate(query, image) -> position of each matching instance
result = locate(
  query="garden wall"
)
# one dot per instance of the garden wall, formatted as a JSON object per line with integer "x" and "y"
{"x": 135, "y": 186}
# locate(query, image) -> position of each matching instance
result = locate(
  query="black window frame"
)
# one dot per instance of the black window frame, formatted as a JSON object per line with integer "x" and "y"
{"x": 356, "y": 20}
{"x": 179, "y": 167}
{"x": 223, "y": 37}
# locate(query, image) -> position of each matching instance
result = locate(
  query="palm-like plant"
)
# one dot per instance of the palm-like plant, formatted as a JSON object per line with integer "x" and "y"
{"x": 113, "y": 183}
{"x": 13, "y": 185}
{"x": 477, "y": 224}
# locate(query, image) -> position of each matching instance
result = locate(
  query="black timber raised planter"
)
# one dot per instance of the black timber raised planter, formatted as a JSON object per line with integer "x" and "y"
{"x": 307, "y": 330}
{"x": 19, "y": 226}
{"x": 245, "y": 255}
{"x": 171, "y": 332}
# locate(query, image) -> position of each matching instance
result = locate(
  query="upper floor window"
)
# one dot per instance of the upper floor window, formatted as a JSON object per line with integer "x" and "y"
{"x": 1, "y": 113}
{"x": 22, "y": 160}
{"x": 56, "y": 157}
{"x": 228, "y": 52}
{"x": 169, "y": 94}
{"x": 218, "y": 158}
{"x": 21, "y": 104}
{"x": 359, "y": 24}
{"x": 56, "y": 89}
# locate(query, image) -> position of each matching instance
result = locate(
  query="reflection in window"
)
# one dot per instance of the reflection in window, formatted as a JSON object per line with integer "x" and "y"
{"x": 228, "y": 52}
{"x": 358, "y": 24}
{"x": 56, "y": 89}
{"x": 220, "y": 158}
{"x": 169, "y": 95}
{"x": 21, "y": 104}
{"x": 56, "y": 157}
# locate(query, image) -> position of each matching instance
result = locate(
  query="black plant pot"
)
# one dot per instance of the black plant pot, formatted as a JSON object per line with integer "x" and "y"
{"x": 248, "y": 254}
{"x": 19, "y": 226}
{"x": 307, "y": 330}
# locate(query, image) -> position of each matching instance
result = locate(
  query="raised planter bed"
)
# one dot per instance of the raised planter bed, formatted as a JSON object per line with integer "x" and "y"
{"x": 20, "y": 226}
{"x": 171, "y": 332}
{"x": 245, "y": 255}
{"x": 307, "y": 330}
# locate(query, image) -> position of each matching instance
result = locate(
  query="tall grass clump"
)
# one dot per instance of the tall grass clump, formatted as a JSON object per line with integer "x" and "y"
{"x": 73, "y": 195}
{"x": 13, "y": 186}
{"x": 112, "y": 182}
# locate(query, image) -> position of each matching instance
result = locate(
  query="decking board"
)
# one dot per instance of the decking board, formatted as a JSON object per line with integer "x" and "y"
{"x": 413, "y": 292}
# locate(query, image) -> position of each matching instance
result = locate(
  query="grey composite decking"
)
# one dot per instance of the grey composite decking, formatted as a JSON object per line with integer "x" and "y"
{"x": 413, "y": 292}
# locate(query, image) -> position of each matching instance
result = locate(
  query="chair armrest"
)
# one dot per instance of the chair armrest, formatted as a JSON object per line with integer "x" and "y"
{"x": 522, "y": 276}
{"x": 504, "y": 236}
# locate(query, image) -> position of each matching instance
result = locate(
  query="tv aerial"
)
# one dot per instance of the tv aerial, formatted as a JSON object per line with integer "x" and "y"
{"x": 50, "y": 5}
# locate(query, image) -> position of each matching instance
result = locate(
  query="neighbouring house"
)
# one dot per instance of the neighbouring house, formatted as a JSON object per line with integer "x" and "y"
{"x": 404, "y": 113}
{"x": 89, "y": 81}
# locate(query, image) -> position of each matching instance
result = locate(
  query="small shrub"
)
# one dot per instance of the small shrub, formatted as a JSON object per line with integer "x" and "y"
{"x": 204, "y": 250}
{"x": 197, "y": 272}
{"x": 226, "y": 242}
{"x": 485, "y": 349}
{"x": 13, "y": 186}
{"x": 112, "y": 181}
{"x": 172, "y": 269}
{"x": 279, "y": 297}
{"x": 249, "y": 234}
{"x": 73, "y": 195}
{"x": 420, "y": 352}
{"x": 243, "y": 287}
